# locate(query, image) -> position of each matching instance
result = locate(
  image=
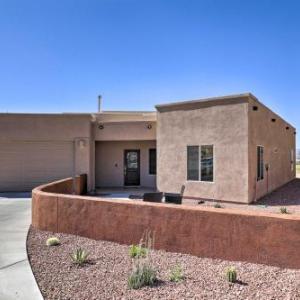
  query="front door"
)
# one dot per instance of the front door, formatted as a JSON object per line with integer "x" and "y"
{"x": 131, "y": 167}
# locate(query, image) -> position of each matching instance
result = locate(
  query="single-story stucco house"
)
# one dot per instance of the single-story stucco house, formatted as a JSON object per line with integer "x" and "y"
{"x": 230, "y": 148}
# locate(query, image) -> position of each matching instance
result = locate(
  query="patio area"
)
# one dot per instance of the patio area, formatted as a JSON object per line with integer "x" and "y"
{"x": 123, "y": 192}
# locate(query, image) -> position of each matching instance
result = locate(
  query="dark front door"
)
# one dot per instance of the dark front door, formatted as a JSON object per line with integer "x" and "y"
{"x": 131, "y": 167}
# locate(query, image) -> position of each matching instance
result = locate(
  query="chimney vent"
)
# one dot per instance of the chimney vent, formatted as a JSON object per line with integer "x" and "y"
{"x": 99, "y": 104}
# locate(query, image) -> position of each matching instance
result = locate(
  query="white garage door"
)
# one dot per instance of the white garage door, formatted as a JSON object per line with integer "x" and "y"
{"x": 25, "y": 165}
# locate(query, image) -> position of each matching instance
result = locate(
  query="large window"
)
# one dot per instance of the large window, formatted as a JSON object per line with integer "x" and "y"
{"x": 152, "y": 161}
{"x": 260, "y": 163}
{"x": 200, "y": 163}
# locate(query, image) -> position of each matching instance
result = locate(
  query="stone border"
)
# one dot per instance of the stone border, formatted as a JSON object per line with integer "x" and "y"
{"x": 202, "y": 231}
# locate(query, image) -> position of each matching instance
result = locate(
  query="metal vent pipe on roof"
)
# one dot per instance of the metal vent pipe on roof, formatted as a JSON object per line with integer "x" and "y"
{"x": 99, "y": 104}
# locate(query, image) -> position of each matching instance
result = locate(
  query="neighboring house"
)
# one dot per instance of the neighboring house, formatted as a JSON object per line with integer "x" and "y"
{"x": 298, "y": 156}
{"x": 229, "y": 148}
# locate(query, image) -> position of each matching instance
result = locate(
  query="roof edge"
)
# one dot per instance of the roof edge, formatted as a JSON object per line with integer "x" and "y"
{"x": 190, "y": 104}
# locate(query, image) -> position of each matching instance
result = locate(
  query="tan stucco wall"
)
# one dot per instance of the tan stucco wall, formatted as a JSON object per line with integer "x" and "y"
{"x": 80, "y": 129}
{"x": 264, "y": 132}
{"x": 125, "y": 131}
{"x": 44, "y": 127}
{"x": 51, "y": 128}
{"x": 225, "y": 127}
{"x": 110, "y": 162}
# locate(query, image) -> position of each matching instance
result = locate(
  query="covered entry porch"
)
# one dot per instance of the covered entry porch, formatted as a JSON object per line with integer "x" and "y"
{"x": 125, "y": 167}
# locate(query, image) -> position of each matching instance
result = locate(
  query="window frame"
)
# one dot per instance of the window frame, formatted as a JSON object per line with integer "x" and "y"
{"x": 149, "y": 162}
{"x": 200, "y": 163}
{"x": 258, "y": 165}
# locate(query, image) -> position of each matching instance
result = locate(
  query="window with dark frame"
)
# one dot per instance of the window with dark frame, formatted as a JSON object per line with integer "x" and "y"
{"x": 207, "y": 163}
{"x": 200, "y": 163}
{"x": 260, "y": 163}
{"x": 193, "y": 163}
{"x": 152, "y": 161}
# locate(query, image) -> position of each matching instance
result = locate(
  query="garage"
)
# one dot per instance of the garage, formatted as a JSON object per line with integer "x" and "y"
{"x": 25, "y": 165}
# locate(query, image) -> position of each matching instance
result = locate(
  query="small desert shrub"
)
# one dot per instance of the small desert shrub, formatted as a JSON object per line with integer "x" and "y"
{"x": 283, "y": 210}
{"x": 217, "y": 205}
{"x": 176, "y": 274}
{"x": 79, "y": 256}
{"x": 137, "y": 251}
{"x": 142, "y": 275}
{"x": 231, "y": 274}
{"x": 53, "y": 241}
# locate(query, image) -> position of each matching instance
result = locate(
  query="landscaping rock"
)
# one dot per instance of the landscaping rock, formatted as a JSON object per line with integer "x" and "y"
{"x": 105, "y": 275}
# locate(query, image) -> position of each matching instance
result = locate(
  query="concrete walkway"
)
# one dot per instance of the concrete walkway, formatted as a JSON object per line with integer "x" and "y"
{"x": 16, "y": 278}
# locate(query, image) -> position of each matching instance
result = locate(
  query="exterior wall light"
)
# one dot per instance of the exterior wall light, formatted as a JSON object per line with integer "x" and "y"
{"x": 287, "y": 127}
{"x": 149, "y": 126}
{"x": 101, "y": 126}
{"x": 81, "y": 144}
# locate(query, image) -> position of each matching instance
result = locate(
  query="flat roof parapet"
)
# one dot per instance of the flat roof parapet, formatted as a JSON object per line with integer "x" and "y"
{"x": 205, "y": 102}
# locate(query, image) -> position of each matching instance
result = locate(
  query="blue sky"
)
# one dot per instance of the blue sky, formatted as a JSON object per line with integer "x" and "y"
{"x": 58, "y": 55}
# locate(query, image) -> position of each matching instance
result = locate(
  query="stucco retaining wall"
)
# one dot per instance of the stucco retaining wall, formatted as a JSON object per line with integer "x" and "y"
{"x": 208, "y": 232}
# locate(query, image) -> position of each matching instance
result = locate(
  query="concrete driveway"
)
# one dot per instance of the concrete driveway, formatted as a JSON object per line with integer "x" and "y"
{"x": 16, "y": 278}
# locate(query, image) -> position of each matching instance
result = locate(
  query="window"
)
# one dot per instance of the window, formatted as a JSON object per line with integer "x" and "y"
{"x": 152, "y": 161}
{"x": 260, "y": 163}
{"x": 207, "y": 163}
{"x": 193, "y": 162}
{"x": 200, "y": 163}
{"x": 292, "y": 159}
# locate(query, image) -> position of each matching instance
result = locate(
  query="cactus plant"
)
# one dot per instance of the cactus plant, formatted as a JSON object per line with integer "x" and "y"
{"x": 52, "y": 241}
{"x": 231, "y": 274}
{"x": 283, "y": 210}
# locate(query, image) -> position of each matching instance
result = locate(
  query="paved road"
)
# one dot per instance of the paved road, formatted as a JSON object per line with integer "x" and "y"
{"x": 16, "y": 278}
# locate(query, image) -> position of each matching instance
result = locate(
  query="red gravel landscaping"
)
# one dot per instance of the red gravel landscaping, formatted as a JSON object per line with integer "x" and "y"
{"x": 105, "y": 276}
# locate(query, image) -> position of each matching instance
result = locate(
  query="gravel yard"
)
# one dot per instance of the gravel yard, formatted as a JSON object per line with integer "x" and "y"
{"x": 287, "y": 196}
{"x": 105, "y": 276}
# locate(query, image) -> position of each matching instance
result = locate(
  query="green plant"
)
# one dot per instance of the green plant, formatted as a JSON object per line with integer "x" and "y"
{"x": 52, "y": 241}
{"x": 137, "y": 251}
{"x": 231, "y": 274}
{"x": 142, "y": 275}
{"x": 283, "y": 210}
{"x": 176, "y": 274}
{"x": 79, "y": 256}
{"x": 217, "y": 205}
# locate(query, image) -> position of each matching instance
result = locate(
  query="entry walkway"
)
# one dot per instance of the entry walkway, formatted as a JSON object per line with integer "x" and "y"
{"x": 16, "y": 278}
